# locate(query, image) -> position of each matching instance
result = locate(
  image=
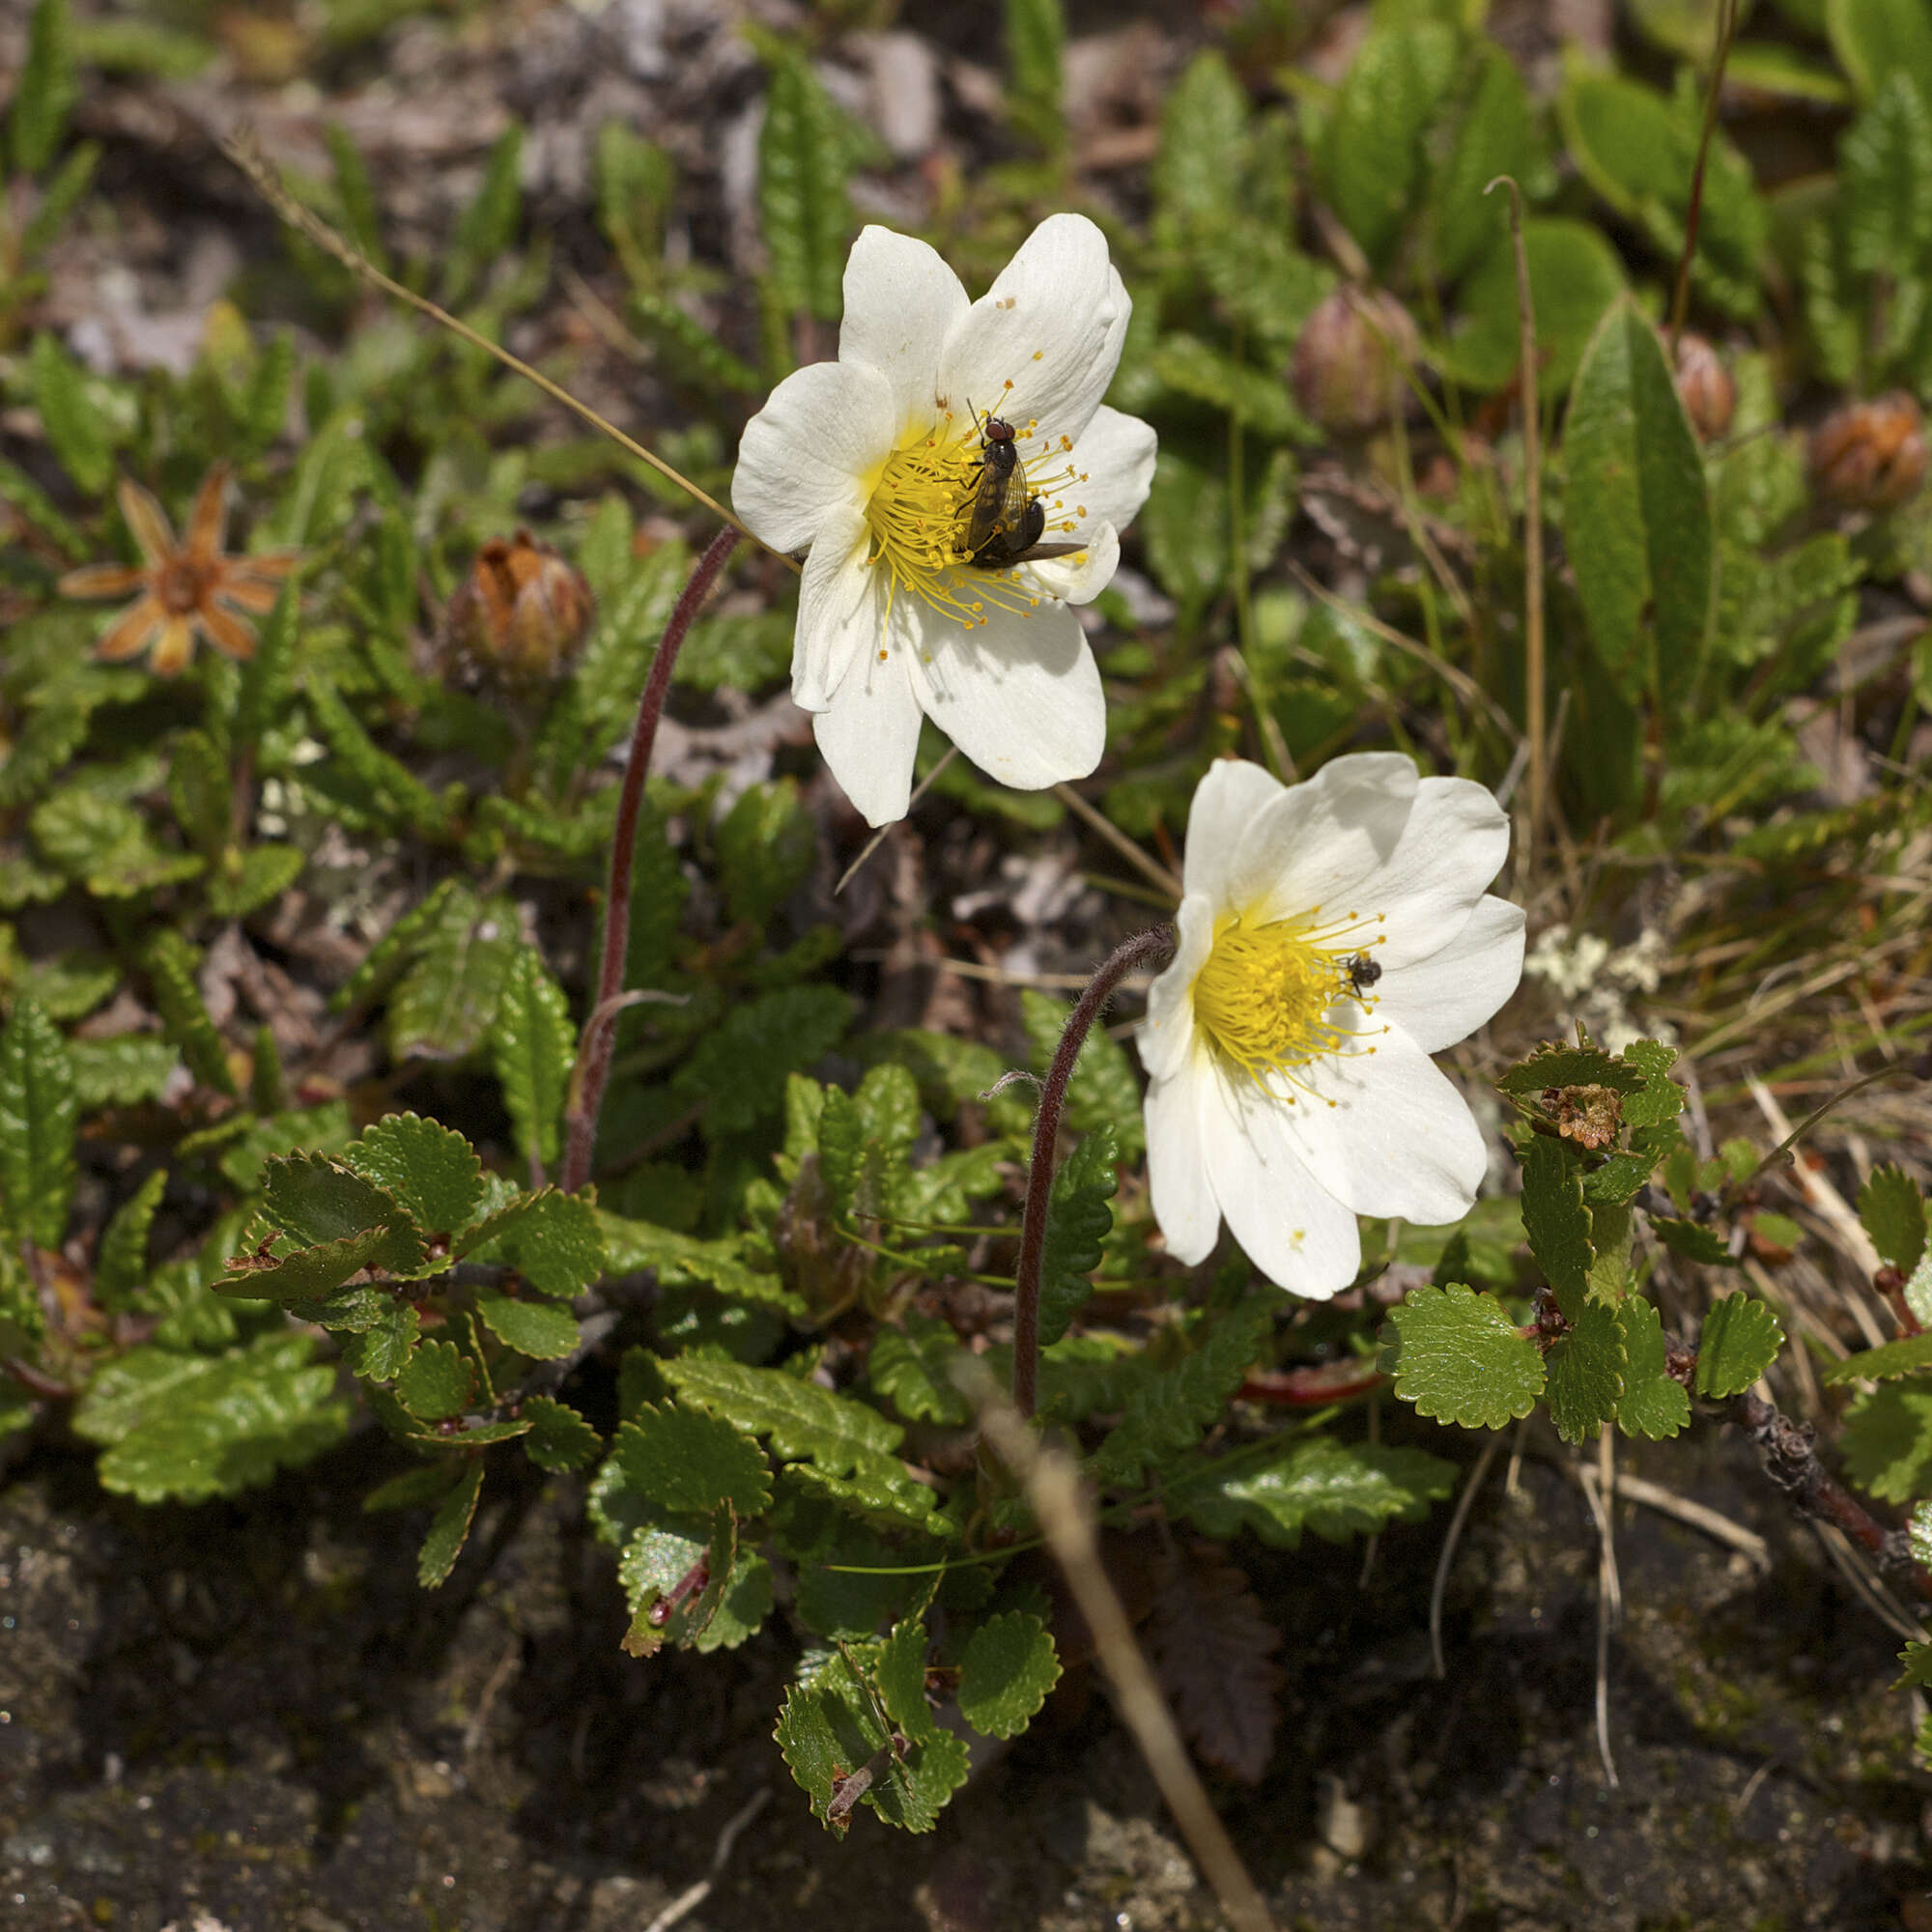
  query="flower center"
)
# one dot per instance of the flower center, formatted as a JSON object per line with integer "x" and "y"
{"x": 1269, "y": 995}
{"x": 182, "y": 583}
{"x": 921, "y": 511}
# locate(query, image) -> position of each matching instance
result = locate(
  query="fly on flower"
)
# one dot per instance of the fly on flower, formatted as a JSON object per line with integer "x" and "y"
{"x": 1280, "y": 1099}
{"x": 946, "y": 543}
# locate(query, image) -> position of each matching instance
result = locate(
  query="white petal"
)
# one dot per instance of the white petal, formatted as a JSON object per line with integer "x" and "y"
{"x": 1166, "y": 1037}
{"x": 1177, "y": 1180}
{"x": 1291, "y": 1228}
{"x": 1019, "y": 694}
{"x": 1387, "y": 1133}
{"x": 1230, "y": 798}
{"x": 1446, "y": 997}
{"x": 1454, "y": 845}
{"x": 1312, "y": 846}
{"x": 902, "y": 301}
{"x": 1081, "y": 578}
{"x": 1041, "y": 344}
{"x": 839, "y": 616}
{"x": 813, "y": 450}
{"x": 870, "y": 737}
{"x": 1115, "y": 458}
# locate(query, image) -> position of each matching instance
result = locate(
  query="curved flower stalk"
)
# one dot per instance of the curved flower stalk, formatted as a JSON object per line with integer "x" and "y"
{"x": 1332, "y": 935}
{"x": 930, "y": 590}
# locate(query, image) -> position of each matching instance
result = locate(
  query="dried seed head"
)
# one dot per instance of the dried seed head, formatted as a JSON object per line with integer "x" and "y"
{"x": 520, "y": 616}
{"x": 1348, "y": 361}
{"x": 1870, "y": 456}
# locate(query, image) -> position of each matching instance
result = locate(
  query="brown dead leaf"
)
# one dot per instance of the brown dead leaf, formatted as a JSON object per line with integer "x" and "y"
{"x": 1214, "y": 1650}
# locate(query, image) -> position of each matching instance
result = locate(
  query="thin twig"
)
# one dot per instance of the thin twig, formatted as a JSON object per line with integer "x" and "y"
{"x": 1719, "y": 1528}
{"x": 1439, "y": 1588}
{"x": 878, "y": 837}
{"x": 1680, "y": 295}
{"x": 600, "y": 1030}
{"x": 243, "y": 149}
{"x": 1609, "y": 1590}
{"x": 1534, "y": 698}
{"x": 1051, "y": 1480}
{"x": 1148, "y": 867}
{"x": 688, "y": 1901}
{"x": 1128, "y": 955}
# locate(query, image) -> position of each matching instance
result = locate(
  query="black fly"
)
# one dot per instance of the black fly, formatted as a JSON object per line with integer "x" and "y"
{"x": 1363, "y": 972}
{"x": 1006, "y": 522}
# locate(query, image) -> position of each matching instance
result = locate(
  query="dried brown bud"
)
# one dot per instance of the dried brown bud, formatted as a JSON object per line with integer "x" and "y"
{"x": 1705, "y": 389}
{"x": 1588, "y": 1116}
{"x": 520, "y": 615}
{"x": 1870, "y": 456}
{"x": 1350, "y": 358}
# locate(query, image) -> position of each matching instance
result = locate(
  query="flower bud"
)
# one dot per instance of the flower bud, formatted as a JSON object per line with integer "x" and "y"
{"x": 1705, "y": 389}
{"x": 1870, "y": 456}
{"x": 1348, "y": 359}
{"x": 520, "y": 615}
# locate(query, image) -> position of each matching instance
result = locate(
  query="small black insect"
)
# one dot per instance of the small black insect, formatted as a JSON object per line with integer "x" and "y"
{"x": 1006, "y": 522}
{"x": 1363, "y": 972}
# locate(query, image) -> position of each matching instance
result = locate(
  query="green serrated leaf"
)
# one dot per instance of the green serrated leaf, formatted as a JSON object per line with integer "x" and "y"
{"x": 683, "y": 1460}
{"x": 560, "y": 1437}
{"x": 1638, "y": 514}
{"x": 1920, "y": 1531}
{"x": 532, "y": 1047}
{"x": 102, "y": 842}
{"x": 201, "y": 790}
{"x": 121, "y": 1268}
{"x": 1883, "y": 1364}
{"x": 432, "y": 1171}
{"x": 1694, "y": 1241}
{"x": 80, "y": 434}
{"x": 1556, "y": 1221}
{"x": 382, "y": 1349}
{"x": 185, "y": 1426}
{"x": 38, "y": 1119}
{"x": 1894, "y": 1212}
{"x": 1459, "y": 1359}
{"x": 422, "y": 1487}
{"x": 1171, "y": 1411}
{"x": 1008, "y": 1666}
{"x": 315, "y": 1199}
{"x": 1886, "y": 1441}
{"x": 1375, "y": 157}
{"x": 1741, "y": 1339}
{"x": 1585, "y": 1374}
{"x": 682, "y": 1258}
{"x": 1552, "y": 1066}
{"x": 246, "y": 881}
{"x": 1654, "y": 1404}
{"x": 315, "y": 1273}
{"x": 1337, "y": 1489}
{"x": 171, "y": 972}
{"x": 538, "y": 1330}
{"x": 1203, "y": 155}
{"x": 551, "y": 1239}
{"x": 268, "y": 678}
{"x": 801, "y": 1420}
{"x": 1874, "y": 39}
{"x": 449, "y": 1530}
{"x": 1078, "y": 1219}
{"x": 878, "y": 1490}
{"x": 803, "y": 210}
{"x": 1036, "y": 38}
{"x": 45, "y": 88}
{"x": 123, "y": 1071}
{"x": 908, "y": 1366}
{"x": 487, "y": 227}
{"x": 1661, "y": 1099}
{"x": 437, "y": 1382}
{"x": 738, "y": 1072}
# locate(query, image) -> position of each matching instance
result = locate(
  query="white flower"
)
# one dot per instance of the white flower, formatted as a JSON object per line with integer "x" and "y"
{"x": 873, "y": 461}
{"x": 1332, "y": 935}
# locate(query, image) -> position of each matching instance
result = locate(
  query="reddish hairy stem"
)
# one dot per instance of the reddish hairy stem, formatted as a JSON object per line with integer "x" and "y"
{"x": 600, "y": 1030}
{"x": 1144, "y": 946}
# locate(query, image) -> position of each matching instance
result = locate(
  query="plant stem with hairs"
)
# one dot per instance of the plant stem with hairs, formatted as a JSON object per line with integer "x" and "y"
{"x": 600, "y": 1029}
{"x": 1142, "y": 947}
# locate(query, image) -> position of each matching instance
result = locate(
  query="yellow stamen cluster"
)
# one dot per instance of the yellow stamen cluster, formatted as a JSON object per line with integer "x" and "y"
{"x": 1268, "y": 995}
{"x": 922, "y": 505}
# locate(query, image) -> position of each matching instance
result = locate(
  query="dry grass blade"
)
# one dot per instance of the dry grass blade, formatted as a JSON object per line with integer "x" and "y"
{"x": 1148, "y": 867}
{"x": 1052, "y": 1483}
